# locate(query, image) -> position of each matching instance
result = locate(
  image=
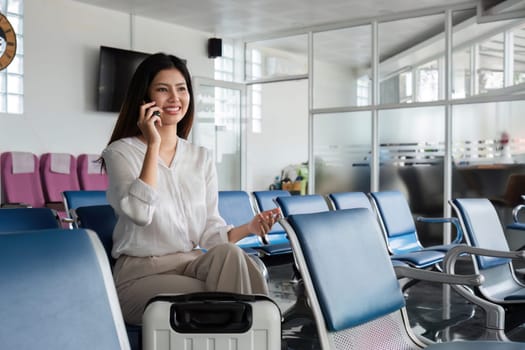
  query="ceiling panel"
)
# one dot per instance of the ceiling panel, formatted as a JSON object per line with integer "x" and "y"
{"x": 241, "y": 18}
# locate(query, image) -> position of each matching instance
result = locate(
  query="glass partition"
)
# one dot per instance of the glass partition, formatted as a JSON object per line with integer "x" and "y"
{"x": 217, "y": 126}
{"x": 489, "y": 74}
{"x": 489, "y": 157}
{"x": 341, "y": 69}
{"x": 277, "y": 58}
{"x": 488, "y": 139}
{"x": 518, "y": 38}
{"x": 342, "y": 148}
{"x": 411, "y": 60}
{"x": 277, "y": 136}
{"x": 479, "y": 54}
{"x": 462, "y": 73}
{"x": 412, "y": 152}
{"x": 411, "y": 156}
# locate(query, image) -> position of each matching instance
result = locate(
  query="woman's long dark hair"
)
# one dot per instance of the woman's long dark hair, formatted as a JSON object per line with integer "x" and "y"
{"x": 137, "y": 93}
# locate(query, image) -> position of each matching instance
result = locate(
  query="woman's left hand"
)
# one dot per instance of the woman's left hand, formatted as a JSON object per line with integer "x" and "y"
{"x": 262, "y": 223}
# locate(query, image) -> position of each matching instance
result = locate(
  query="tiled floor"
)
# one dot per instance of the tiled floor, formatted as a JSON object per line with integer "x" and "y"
{"x": 424, "y": 300}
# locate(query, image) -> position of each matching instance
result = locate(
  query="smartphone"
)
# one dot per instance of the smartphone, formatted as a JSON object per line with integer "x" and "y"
{"x": 148, "y": 100}
{"x": 265, "y": 239}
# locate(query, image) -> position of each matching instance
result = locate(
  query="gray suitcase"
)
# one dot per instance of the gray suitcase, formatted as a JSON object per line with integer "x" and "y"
{"x": 211, "y": 321}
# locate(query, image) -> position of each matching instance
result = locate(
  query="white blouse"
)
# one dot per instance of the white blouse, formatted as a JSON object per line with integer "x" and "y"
{"x": 178, "y": 215}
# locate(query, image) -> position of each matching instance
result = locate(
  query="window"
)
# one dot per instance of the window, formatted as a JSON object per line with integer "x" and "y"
{"x": 406, "y": 94}
{"x": 256, "y": 105}
{"x": 12, "y": 78}
{"x": 224, "y": 65}
{"x": 254, "y": 64}
{"x": 428, "y": 82}
{"x": 363, "y": 91}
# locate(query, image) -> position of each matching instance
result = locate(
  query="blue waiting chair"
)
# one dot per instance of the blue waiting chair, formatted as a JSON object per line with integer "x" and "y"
{"x": 501, "y": 294}
{"x": 350, "y": 200}
{"x": 354, "y": 200}
{"x": 24, "y": 219}
{"x": 58, "y": 292}
{"x": 236, "y": 209}
{"x": 102, "y": 220}
{"x": 279, "y": 243}
{"x": 363, "y": 308}
{"x": 397, "y": 224}
{"x": 83, "y": 198}
{"x": 310, "y": 203}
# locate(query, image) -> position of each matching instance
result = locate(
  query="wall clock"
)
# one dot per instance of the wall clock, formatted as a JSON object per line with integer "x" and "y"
{"x": 7, "y": 42}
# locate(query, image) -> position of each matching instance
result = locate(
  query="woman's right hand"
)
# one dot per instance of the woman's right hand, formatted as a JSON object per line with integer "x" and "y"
{"x": 149, "y": 119}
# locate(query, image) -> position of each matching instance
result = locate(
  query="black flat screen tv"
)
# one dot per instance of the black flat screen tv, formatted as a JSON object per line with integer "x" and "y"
{"x": 115, "y": 69}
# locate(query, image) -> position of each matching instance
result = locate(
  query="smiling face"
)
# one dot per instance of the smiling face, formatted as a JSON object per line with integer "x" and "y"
{"x": 170, "y": 92}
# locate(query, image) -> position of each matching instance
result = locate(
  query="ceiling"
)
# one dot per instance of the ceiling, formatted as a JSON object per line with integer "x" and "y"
{"x": 244, "y": 18}
{"x": 417, "y": 37}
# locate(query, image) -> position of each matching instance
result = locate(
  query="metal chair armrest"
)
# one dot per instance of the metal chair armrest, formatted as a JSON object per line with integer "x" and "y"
{"x": 58, "y": 206}
{"x": 15, "y": 205}
{"x": 455, "y": 221}
{"x": 439, "y": 277}
{"x": 495, "y": 313}
{"x": 516, "y": 211}
{"x": 452, "y": 255}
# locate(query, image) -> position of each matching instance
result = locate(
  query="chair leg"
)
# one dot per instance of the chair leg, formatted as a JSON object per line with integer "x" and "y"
{"x": 301, "y": 308}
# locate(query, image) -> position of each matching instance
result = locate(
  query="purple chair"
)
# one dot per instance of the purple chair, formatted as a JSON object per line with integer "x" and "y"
{"x": 90, "y": 175}
{"x": 21, "y": 183}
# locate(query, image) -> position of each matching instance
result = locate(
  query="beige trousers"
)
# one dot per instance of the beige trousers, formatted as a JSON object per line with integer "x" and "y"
{"x": 224, "y": 268}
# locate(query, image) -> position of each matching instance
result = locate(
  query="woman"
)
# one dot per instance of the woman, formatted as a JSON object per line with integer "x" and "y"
{"x": 164, "y": 190}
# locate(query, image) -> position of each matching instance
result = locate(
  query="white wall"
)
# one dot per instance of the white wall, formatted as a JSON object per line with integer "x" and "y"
{"x": 61, "y": 47}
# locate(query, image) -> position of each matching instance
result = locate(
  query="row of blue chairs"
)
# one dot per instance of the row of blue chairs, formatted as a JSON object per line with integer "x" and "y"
{"x": 499, "y": 292}
{"x": 361, "y": 306}
{"x": 394, "y": 215}
{"x": 90, "y": 210}
{"x": 350, "y": 312}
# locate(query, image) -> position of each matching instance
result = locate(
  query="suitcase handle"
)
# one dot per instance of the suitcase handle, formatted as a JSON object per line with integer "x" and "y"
{"x": 211, "y": 317}
{"x": 208, "y": 296}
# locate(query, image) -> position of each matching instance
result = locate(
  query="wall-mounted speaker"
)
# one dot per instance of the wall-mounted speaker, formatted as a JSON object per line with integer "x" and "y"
{"x": 214, "y": 47}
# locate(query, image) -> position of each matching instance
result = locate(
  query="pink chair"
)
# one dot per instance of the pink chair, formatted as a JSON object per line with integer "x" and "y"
{"x": 90, "y": 174}
{"x": 21, "y": 183}
{"x": 59, "y": 173}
